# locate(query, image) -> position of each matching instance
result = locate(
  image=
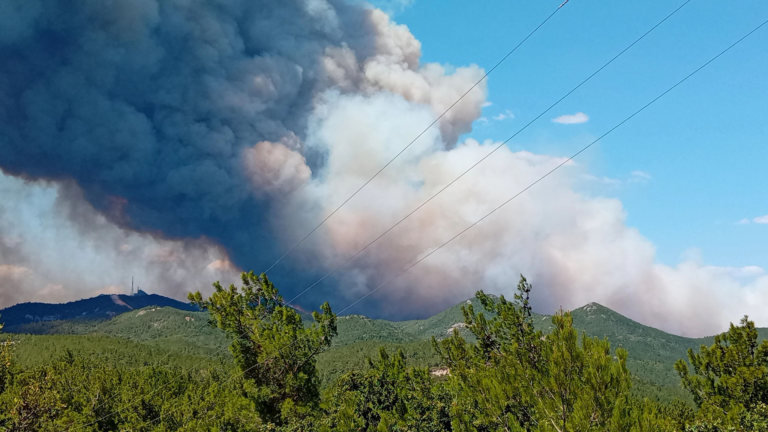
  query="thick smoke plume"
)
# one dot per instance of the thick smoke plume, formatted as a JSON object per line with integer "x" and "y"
{"x": 184, "y": 140}
{"x": 186, "y": 119}
{"x": 54, "y": 247}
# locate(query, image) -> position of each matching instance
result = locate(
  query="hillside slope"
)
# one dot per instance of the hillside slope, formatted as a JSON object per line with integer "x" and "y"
{"x": 166, "y": 327}
{"x": 35, "y": 350}
{"x": 180, "y": 333}
{"x": 96, "y": 308}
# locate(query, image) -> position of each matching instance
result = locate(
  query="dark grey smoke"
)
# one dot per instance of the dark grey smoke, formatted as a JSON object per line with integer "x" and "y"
{"x": 147, "y": 105}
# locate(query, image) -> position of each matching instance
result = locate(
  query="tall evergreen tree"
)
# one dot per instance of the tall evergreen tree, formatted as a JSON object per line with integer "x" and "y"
{"x": 515, "y": 378}
{"x": 729, "y": 382}
{"x": 271, "y": 345}
{"x": 388, "y": 396}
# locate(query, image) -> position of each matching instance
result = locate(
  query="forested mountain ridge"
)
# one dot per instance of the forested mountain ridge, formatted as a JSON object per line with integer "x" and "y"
{"x": 154, "y": 317}
{"x": 630, "y": 373}
{"x": 181, "y": 332}
{"x": 95, "y": 308}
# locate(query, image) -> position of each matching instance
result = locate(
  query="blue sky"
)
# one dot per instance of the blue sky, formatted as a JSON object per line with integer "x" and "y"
{"x": 176, "y": 195}
{"x": 704, "y": 145}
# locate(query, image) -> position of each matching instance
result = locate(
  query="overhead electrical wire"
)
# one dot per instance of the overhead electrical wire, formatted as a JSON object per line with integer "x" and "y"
{"x": 654, "y": 100}
{"x": 574, "y": 89}
{"x": 417, "y": 138}
{"x": 502, "y": 144}
{"x": 519, "y": 44}
{"x": 583, "y": 149}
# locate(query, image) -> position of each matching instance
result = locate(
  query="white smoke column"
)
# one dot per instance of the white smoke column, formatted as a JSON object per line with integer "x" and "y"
{"x": 574, "y": 247}
{"x": 394, "y": 67}
{"x": 54, "y": 247}
{"x": 276, "y": 168}
{"x": 238, "y": 119}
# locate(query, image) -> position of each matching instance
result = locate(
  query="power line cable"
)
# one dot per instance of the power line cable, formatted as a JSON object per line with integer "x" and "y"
{"x": 522, "y": 191}
{"x": 544, "y": 112}
{"x": 491, "y": 152}
{"x": 583, "y": 149}
{"x": 417, "y": 137}
{"x": 556, "y": 168}
{"x": 406, "y": 147}
{"x": 399, "y": 153}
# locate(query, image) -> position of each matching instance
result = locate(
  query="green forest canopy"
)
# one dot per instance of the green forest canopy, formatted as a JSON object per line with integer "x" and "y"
{"x": 505, "y": 368}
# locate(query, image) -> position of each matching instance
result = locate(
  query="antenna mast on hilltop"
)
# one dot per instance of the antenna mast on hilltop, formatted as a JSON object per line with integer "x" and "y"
{"x": 131, "y": 285}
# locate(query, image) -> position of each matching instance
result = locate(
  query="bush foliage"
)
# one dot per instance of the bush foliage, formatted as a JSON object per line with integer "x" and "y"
{"x": 498, "y": 372}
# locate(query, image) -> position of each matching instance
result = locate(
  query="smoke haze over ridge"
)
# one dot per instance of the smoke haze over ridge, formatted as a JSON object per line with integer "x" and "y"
{"x": 184, "y": 140}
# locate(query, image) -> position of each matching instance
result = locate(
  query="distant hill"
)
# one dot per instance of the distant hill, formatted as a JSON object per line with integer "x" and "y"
{"x": 183, "y": 333}
{"x": 652, "y": 352}
{"x": 101, "y": 307}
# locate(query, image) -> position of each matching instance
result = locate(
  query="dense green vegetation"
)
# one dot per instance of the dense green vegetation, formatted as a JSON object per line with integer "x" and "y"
{"x": 103, "y": 306}
{"x": 32, "y": 350}
{"x": 163, "y": 328}
{"x": 651, "y": 352}
{"x": 501, "y": 366}
{"x": 334, "y": 363}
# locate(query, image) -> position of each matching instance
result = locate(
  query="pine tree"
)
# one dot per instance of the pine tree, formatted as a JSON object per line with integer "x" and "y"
{"x": 729, "y": 382}
{"x": 516, "y": 379}
{"x": 271, "y": 345}
{"x": 388, "y": 396}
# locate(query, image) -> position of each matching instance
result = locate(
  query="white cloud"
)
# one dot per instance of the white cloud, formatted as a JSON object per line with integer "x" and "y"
{"x": 603, "y": 180}
{"x": 757, "y": 220}
{"x": 634, "y": 177}
{"x": 486, "y": 104}
{"x": 577, "y": 118}
{"x": 504, "y": 116}
{"x": 640, "y": 176}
